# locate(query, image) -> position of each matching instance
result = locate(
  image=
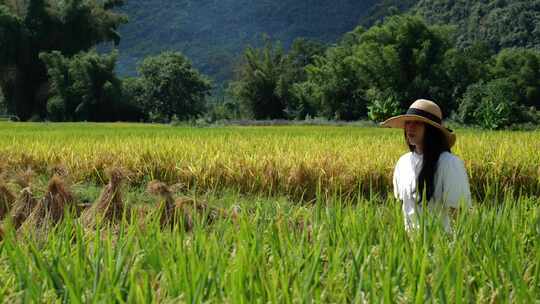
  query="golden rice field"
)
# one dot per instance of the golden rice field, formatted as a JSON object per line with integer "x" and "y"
{"x": 231, "y": 223}
{"x": 297, "y": 160}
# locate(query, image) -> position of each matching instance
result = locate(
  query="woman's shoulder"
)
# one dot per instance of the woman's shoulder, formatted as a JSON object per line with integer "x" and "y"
{"x": 450, "y": 159}
{"x": 405, "y": 157}
{"x": 404, "y": 161}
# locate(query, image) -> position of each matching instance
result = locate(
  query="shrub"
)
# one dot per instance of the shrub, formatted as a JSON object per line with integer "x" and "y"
{"x": 383, "y": 106}
{"x": 491, "y": 105}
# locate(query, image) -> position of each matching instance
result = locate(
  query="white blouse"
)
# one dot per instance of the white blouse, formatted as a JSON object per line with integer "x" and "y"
{"x": 451, "y": 187}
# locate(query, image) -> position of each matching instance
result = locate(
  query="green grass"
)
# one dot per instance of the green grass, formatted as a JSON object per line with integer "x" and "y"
{"x": 352, "y": 252}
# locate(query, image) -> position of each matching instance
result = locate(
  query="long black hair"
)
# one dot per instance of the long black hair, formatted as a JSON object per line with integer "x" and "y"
{"x": 434, "y": 144}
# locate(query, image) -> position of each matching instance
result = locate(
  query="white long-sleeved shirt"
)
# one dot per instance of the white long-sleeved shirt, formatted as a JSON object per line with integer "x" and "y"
{"x": 451, "y": 187}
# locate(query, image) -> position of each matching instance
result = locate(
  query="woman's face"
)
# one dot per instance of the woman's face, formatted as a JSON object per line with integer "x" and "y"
{"x": 414, "y": 130}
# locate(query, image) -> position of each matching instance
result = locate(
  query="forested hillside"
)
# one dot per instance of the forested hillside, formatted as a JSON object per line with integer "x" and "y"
{"x": 214, "y": 33}
{"x": 479, "y": 59}
{"x": 500, "y": 23}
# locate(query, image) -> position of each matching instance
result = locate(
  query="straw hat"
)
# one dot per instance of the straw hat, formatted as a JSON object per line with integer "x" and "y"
{"x": 425, "y": 111}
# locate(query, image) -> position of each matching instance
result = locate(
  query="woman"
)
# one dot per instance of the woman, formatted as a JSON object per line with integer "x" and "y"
{"x": 429, "y": 175}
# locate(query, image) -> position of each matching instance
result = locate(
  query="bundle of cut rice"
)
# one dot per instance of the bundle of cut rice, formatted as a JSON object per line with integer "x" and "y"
{"x": 109, "y": 207}
{"x": 51, "y": 208}
{"x": 23, "y": 207}
{"x": 167, "y": 207}
{"x": 24, "y": 178}
{"x": 185, "y": 208}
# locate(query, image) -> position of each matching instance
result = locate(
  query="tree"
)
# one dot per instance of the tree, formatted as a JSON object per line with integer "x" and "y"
{"x": 334, "y": 86}
{"x": 133, "y": 94}
{"x": 267, "y": 80}
{"x": 85, "y": 88}
{"x": 404, "y": 56}
{"x": 491, "y": 105}
{"x": 302, "y": 53}
{"x": 259, "y": 85}
{"x": 521, "y": 67}
{"x": 172, "y": 87}
{"x": 463, "y": 67}
{"x": 401, "y": 60}
{"x": 385, "y": 8}
{"x": 28, "y": 28}
{"x": 382, "y": 106}
{"x": 508, "y": 93}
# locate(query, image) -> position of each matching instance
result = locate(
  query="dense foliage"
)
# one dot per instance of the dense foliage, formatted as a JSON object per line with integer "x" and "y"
{"x": 499, "y": 23}
{"x": 170, "y": 88}
{"x": 213, "y": 33}
{"x": 266, "y": 79}
{"x": 378, "y": 72}
{"x": 28, "y": 28}
{"x": 385, "y": 8}
{"x": 509, "y": 93}
{"x": 85, "y": 88}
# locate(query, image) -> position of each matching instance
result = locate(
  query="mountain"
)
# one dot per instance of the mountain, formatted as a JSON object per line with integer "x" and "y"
{"x": 214, "y": 33}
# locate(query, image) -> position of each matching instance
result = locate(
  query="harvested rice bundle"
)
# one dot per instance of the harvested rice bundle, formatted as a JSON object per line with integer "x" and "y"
{"x": 185, "y": 207}
{"x": 109, "y": 207}
{"x": 7, "y": 199}
{"x": 24, "y": 178}
{"x": 167, "y": 207}
{"x": 59, "y": 170}
{"x": 25, "y": 201}
{"x": 50, "y": 209}
{"x": 23, "y": 207}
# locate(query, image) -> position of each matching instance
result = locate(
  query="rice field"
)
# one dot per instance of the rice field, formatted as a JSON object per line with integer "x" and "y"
{"x": 130, "y": 213}
{"x": 296, "y": 161}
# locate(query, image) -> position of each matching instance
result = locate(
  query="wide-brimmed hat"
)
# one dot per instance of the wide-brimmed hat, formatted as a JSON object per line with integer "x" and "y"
{"x": 425, "y": 111}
